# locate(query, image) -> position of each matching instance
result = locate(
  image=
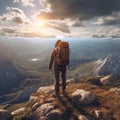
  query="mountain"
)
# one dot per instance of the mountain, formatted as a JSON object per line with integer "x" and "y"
{"x": 24, "y": 51}
{"x": 24, "y": 69}
{"x": 15, "y": 84}
{"x": 110, "y": 65}
{"x": 11, "y": 76}
{"x": 32, "y": 55}
{"x": 103, "y": 66}
{"x": 81, "y": 101}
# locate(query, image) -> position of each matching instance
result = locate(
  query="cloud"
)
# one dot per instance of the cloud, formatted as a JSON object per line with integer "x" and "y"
{"x": 76, "y": 24}
{"x": 59, "y": 26}
{"x": 25, "y": 2}
{"x": 14, "y": 15}
{"x": 9, "y": 31}
{"x": 14, "y": 31}
{"x": 112, "y": 19}
{"x": 82, "y": 9}
{"x": 107, "y": 32}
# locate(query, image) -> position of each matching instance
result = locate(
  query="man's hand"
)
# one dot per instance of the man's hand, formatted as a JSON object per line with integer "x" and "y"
{"x": 50, "y": 70}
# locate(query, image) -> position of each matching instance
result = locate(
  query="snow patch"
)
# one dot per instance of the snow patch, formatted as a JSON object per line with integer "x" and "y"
{"x": 100, "y": 63}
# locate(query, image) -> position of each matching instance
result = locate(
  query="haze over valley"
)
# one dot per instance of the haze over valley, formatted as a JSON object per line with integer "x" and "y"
{"x": 29, "y": 57}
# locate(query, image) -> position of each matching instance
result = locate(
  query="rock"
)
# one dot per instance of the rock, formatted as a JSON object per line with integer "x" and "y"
{"x": 95, "y": 80}
{"x": 35, "y": 106}
{"x": 33, "y": 98}
{"x": 54, "y": 115}
{"x": 46, "y": 90}
{"x": 50, "y": 99}
{"x": 43, "y": 110}
{"x": 5, "y": 115}
{"x": 82, "y": 117}
{"x": 71, "y": 81}
{"x": 106, "y": 114}
{"x": 110, "y": 80}
{"x": 115, "y": 90}
{"x": 98, "y": 113}
{"x": 83, "y": 97}
{"x": 26, "y": 118}
{"x": 41, "y": 118}
{"x": 17, "y": 112}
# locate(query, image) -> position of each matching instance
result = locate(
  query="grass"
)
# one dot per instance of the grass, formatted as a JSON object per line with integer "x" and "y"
{"x": 86, "y": 69}
{"x": 14, "y": 107}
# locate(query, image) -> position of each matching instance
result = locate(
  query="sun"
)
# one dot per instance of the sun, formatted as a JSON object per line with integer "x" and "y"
{"x": 38, "y": 25}
{"x": 41, "y": 24}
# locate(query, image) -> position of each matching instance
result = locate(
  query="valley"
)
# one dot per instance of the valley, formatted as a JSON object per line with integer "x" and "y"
{"x": 32, "y": 55}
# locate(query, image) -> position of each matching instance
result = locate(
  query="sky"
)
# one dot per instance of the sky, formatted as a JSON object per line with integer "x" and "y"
{"x": 54, "y": 18}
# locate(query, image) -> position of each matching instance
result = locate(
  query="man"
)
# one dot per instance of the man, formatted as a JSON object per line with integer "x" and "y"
{"x": 59, "y": 67}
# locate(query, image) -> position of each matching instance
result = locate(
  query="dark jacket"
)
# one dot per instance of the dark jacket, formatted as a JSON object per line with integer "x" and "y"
{"x": 55, "y": 58}
{"x": 51, "y": 59}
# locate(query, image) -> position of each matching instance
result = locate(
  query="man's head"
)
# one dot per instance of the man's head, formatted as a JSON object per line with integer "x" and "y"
{"x": 57, "y": 43}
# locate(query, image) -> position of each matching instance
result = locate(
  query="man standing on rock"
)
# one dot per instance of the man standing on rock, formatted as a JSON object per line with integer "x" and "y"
{"x": 60, "y": 58}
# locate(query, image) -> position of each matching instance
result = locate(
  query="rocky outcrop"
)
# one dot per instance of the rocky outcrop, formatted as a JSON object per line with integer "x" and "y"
{"x": 18, "y": 111}
{"x": 5, "y": 115}
{"x": 110, "y": 80}
{"x": 82, "y": 117}
{"x": 54, "y": 115}
{"x": 46, "y": 89}
{"x": 42, "y": 111}
{"x": 83, "y": 97}
{"x": 48, "y": 111}
{"x": 81, "y": 101}
{"x": 115, "y": 90}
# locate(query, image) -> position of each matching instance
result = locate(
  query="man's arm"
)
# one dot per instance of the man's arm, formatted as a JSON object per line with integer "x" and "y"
{"x": 51, "y": 60}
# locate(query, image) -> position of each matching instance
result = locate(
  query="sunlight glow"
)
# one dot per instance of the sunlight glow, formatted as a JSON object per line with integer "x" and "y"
{"x": 38, "y": 26}
{"x": 41, "y": 24}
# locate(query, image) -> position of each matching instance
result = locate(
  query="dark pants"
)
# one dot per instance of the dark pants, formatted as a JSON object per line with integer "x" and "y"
{"x": 60, "y": 70}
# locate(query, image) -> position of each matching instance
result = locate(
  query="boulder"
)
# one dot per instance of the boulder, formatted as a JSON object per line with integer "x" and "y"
{"x": 115, "y": 90}
{"x": 81, "y": 96}
{"x": 46, "y": 90}
{"x": 110, "y": 80}
{"x": 50, "y": 99}
{"x": 5, "y": 115}
{"x": 98, "y": 113}
{"x": 33, "y": 98}
{"x": 43, "y": 110}
{"x": 35, "y": 106}
{"x": 54, "y": 115}
{"x": 71, "y": 81}
{"x": 18, "y": 111}
{"x": 82, "y": 117}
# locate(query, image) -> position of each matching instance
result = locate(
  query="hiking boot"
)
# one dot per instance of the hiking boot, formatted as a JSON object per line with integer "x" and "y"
{"x": 63, "y": 92}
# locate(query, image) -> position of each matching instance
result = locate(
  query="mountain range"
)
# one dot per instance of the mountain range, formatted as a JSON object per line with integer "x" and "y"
{"x": 29, "y": 57}
{"x": 102, "y": 67}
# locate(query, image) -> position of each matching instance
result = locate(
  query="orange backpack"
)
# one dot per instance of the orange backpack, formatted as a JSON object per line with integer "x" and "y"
{"x": 62, "y": 53}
